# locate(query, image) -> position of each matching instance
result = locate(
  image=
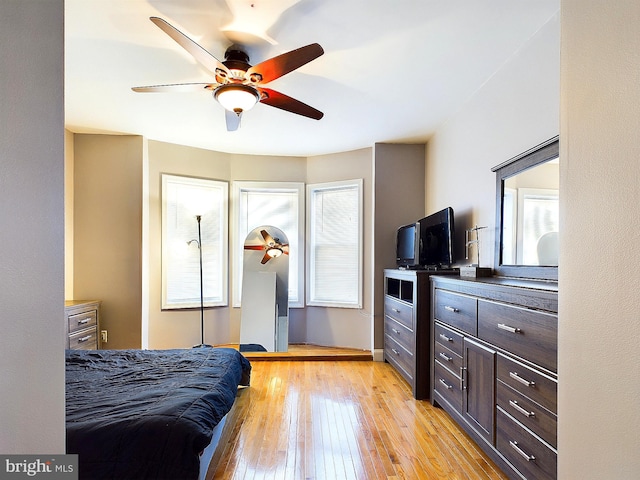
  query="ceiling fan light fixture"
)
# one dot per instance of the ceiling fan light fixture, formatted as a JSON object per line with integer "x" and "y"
{"x": 236, "y": 98}
{"x": 274, "y": 252}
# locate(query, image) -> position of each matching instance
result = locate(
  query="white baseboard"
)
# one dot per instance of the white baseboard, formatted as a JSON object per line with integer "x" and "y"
{"x": 378, "y": 355}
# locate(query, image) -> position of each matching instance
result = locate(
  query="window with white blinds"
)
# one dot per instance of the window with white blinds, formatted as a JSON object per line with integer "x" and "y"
{"x": 280, "y": 204}
{"x": 334, "y": 236}
{"x": 183, "y": 198}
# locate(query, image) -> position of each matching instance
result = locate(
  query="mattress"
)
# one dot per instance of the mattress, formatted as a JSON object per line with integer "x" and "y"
{"x": 147, "y": 414}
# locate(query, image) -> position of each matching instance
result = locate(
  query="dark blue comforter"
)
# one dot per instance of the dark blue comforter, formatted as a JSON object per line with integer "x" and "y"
{"x": 147, "y": 414}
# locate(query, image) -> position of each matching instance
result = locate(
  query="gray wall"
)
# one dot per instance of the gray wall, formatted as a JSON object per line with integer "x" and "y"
{"x": 31, "y": 227}
{"x": 107, "y": 232}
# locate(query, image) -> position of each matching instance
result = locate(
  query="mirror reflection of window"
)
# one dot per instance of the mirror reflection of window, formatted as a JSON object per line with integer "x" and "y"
{"x": 531, "y": 216}
{"x": 539, "y": 214}
{"x": 509, "y": 219}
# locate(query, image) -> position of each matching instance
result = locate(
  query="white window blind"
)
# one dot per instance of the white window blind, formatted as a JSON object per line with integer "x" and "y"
{"x": 335, "y": 244}
{"x": 182, "y": 199}
{"x": 280, "y": 204}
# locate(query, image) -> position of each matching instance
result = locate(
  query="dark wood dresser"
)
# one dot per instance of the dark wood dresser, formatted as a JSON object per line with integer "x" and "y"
{"x": 407, "y": 327}
{"x": 494, "y": 367}
{"x": 82, "y": 318}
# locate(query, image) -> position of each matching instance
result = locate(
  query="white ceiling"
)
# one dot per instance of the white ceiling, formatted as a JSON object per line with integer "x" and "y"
{"x": 393, "y": 70}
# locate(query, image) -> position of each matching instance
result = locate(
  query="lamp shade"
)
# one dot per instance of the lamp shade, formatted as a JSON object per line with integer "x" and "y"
{"x": 236, "y": 98}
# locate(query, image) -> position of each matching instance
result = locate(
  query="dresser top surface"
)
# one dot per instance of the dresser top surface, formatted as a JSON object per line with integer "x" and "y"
{"x": 530, "y": 284}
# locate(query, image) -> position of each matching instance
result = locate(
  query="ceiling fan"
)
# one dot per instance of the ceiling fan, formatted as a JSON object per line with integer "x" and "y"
{"x": 272, "y": 247}
{"x": 238, "y": 85}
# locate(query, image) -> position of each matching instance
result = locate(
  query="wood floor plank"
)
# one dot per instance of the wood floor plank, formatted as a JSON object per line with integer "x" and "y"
{"x": 316, "y": 420}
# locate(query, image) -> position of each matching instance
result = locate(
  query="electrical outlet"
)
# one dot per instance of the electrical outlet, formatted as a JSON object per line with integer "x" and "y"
{"x": 103, "y": 336}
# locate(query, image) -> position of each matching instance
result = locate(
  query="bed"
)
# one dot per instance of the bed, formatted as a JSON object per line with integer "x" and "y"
{"x": 148, "y": 414}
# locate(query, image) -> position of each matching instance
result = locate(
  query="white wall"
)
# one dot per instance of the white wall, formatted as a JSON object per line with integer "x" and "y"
{"x": 31, "y": 227}
{"x": 599, "y": 391}
{"x": 515, "y": 110}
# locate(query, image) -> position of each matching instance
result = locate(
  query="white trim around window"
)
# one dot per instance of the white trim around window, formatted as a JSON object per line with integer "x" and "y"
{"x": 335, "y": 246}
{"x": 280, "y": 204}
{"x": 183, "y": 198}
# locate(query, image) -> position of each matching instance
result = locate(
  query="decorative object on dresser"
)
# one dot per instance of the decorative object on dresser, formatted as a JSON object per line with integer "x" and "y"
{"x": 473, "y": 270}
{"x": 494, "y": 367}
{"x": 83, "y": 324}
{"x": 407, "y": 326}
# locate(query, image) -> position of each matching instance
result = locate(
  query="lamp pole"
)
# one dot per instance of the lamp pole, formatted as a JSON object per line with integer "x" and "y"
{"x": 198, "y": 217}
{"x": 199, "y": 242}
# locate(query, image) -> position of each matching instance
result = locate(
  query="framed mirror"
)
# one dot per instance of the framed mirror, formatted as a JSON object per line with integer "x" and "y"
{"x": 527, "y": 214}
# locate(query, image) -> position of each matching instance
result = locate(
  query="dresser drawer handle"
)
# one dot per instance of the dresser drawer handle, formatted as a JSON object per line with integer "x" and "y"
{"x": 396, "y": 331}
{"x": 395, "y": 310}
{"x": 528, "y": 458}
{"x": 445, "y": 384}
{"x": 395, "y": 351}
{"x": 445, "y": 338}
{"x": 83, "y": 321}
{"x": 84, "y": 339}
{"x": 502, "y": 326}
{"x": 518, "y": 408}
{"x": 445, "y": 357}
{"x": 517, "y": 377}
{"x": 451, "y": 309}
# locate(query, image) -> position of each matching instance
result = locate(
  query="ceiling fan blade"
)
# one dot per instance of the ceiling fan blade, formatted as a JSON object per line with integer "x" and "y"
{"x": 254, "y": 247}
{"x": 284, "y": 102}
{"x": 265, "y": 258}
{"x": 278, "y": 66}
{"x": 233, "y": 120}
{"x": 202, "y": 56}
{"x": 267, "y": 238}
{"x": 176, "y": 87}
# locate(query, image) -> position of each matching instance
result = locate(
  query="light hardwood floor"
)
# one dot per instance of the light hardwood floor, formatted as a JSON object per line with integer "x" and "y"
{"x": 342, "y": 420}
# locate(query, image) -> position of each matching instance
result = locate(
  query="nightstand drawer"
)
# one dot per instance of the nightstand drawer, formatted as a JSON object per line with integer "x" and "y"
{"x": 523, "y": 450}
{"x": 528, "y": 382}
{"x": 459, "y": 311}
{"x": 84, "y": 339}
{"x": 83, "y": 320}
{"x": 447, "y": 337}
{"x": 398, "y": 356}
{"x": 529, "y": 334}
{"x": 531, "y": 414}
{"x": 399, "y": 311}
{"x": 399, "y": 333}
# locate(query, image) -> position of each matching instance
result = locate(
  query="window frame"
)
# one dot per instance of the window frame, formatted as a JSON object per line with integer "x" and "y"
{"x": 169, "y": 245}
{"x": 327, "y": 186}
{"x": 237, "y": 247}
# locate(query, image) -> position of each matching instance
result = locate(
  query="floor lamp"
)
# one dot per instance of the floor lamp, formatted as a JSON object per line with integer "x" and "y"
{"x": 199, "y": 243}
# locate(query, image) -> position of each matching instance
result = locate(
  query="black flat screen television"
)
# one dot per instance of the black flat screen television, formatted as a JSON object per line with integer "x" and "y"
{"x": 427, "y": 243}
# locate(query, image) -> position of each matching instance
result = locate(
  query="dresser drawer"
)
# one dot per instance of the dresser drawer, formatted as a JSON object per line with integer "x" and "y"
{"x": 530, "y": 383}
{"x": 459, "y": 311}
{"x": 447, "y": 337}
{"x": 533, "y": 416}
{"x": 447, "y": 358}
{"x": 530, "y": 456}
{"x": 448, "y": 386}
{"x": 526, "y": 333}
{"x": 83, "y": 320}
{"x": 399, "y": 311}
{"x": 399, "y": 333}
{"x": 84, "y": 339}
{"x": 399, "y": 357}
